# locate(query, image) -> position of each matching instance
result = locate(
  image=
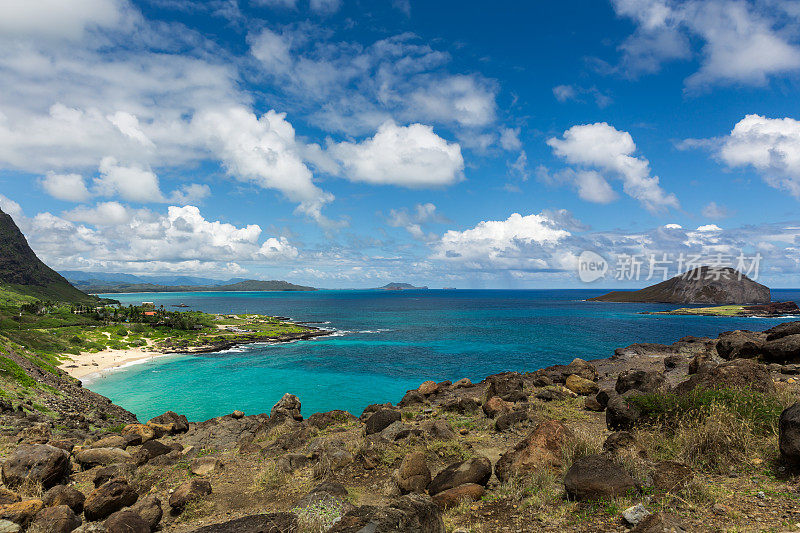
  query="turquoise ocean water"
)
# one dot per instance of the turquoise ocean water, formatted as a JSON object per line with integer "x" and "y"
{"x": 386, "y": 342}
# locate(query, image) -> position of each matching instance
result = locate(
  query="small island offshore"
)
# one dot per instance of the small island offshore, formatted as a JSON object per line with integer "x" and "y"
{"x": 699, "y": 435}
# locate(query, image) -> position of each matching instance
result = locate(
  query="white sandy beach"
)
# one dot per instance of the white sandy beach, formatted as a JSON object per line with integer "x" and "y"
{"x": 81, "y": 366}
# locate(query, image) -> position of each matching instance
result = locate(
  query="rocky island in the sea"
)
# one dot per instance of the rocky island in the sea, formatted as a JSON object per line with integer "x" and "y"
{"x": 702, "y": 285}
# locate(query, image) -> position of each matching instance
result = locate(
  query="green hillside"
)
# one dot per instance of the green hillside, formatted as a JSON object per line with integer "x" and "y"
{"x": 24, "y": 276}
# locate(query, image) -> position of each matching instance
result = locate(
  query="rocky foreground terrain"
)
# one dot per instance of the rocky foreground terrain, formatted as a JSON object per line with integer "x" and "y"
{"x": 700, "y": 435}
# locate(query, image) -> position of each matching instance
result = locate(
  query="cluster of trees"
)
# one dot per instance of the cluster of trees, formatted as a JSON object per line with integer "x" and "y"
{"x": 154, "y": 316}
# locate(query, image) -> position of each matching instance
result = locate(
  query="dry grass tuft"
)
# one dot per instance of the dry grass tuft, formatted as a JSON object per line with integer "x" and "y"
{"x": 718, "y": 442}
{"x": 584, "y": 443}
{"x": 30, "y": 488}
{"x": 269, "y": 477}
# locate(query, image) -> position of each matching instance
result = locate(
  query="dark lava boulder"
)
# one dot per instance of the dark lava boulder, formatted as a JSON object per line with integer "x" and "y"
{"x": 41, "y": 463}
{"x": 288, "y": 407}
{"x": 175, "y": 423}
{"x": 639, "y": 380}
{"x": 21, "y": 513}
{"x": 660, "y": 523}
{"x": 495, "y": 406}
{"x": 740, "y": 344}
{"x": 437, "y": 429}
{"x": 582, "y": 369}
{"x": 108, "y": 498}
{"x": 595, "y": 477}
{"x": 477, "y": 470}
{"x": 619, "y": 440}
{"x": 382, "y": 419}
{"x": 149, "y": 508}
{"x": 65, "y": 495}
{"x": 223, "y": 432}
{"x": 783, "y": 330}
{"x": 506, "y": 385}
{"x": 107, "y": 473}
{"x": 552, "y": 395}
{"x": 789, "y": 434}
{"x": 541, "y": 449}
{"x": 413, "y": 474}
{"x": 126, "y": 521}
{"x": 412, "y": 397}
{"x": 188, "y": 491}
{"x": 58, "y": 519}
{"x": 102, "y": 457}
{"x": 373, "y": 408}
{"x": 150, "y": 450}
{"x": 506, "y": 421}
{"x": 671, "y": 362}
{"x": 783, "y": 350}
{"x": 621, "y": 414}
{"x": 592, "y": 404}
{"x": 413, "y": 513}
{"x": 457, "y": 495}
{"x": 736, "y": 374}
{"x": 560, "y": 373}
{"x": 461, "y": 405}
{"x": 260, "y": 523}
{"x": 700, "y": 361}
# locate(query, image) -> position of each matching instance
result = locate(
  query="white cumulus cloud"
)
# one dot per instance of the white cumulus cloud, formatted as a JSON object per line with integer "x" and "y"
{"x": 520, "y": 242}
{"x": 131, "y": 183}
{"x": 262, "y": 150}
{"x": 103, "y": 214}
{"x": 409, "y": 156}
{"x": 769, "y": 145}
{"x": 601, "y": 146}
{"x": 67, "y": 187}
{"x": 743, "y": 41}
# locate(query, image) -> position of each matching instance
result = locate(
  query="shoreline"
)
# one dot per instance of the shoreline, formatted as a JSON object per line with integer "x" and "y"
{"x": 87, "y": 365}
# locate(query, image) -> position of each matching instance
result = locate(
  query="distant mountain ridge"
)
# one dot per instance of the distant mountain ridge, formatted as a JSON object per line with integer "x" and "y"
{"x": 702, "y": 285}
{"x": 21, "y": 271}
{"x": 243, "y": 286}
{"x": 97, "y": 278}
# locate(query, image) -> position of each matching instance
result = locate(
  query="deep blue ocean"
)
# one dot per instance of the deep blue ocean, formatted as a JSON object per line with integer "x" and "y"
{"x": 387, "y": 342}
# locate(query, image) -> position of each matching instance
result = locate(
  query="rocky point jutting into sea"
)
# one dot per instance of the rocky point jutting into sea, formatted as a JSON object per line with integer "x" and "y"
{"x": 698, "y": 435}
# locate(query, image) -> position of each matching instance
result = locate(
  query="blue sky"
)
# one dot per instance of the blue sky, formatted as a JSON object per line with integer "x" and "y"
{"x": 344, "y": 143}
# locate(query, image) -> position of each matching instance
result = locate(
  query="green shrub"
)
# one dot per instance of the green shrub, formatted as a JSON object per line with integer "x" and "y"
{"x": 759, "y": 410}
{"x": 711, "y": 429}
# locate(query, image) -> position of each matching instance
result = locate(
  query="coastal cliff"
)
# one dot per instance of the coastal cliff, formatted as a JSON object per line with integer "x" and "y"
{"x": 23, "y": 273}
{"x": 703, "y": 285}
